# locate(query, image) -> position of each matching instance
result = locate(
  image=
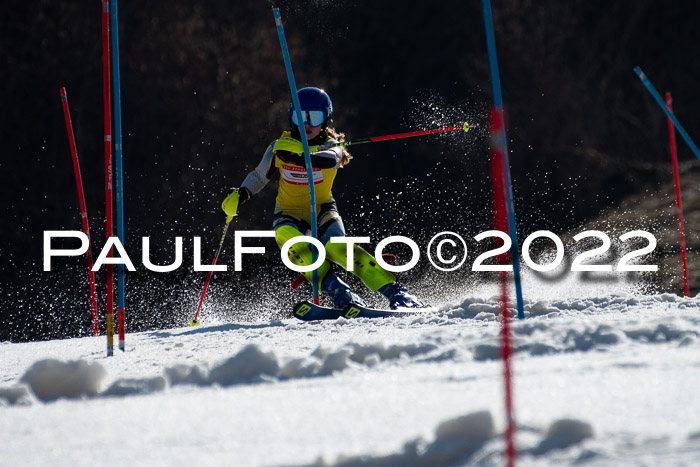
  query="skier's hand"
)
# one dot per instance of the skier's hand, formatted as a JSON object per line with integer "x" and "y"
{"x": 245, "y": 195}
{"x": 230, "y": 204}
{"x": 291, "y": 158}
{"x": 289, "y": 144}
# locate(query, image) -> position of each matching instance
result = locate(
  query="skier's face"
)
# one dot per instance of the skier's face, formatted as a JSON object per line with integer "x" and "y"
{"x": 311, "y": 131}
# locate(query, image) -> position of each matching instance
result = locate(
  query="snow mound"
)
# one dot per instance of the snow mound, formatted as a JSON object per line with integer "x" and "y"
{"x": 455, "y": 441}
{"x": 487, "y": 352}
{"x": 470, "y": 440}
{"x": 459, "y": 438}
{"x": 542, "y": 308}
{"x": 557, "y": 333}
{"x": 662, "y": 332}
{"x": 52, "y": 379}
{"x": 253, "y": 365}
{"x": 360, "y": 352}
{"x": 14, "y": 396}
{"x": 563, "y": 434}
{"x": 131, "y": 386}
{"x": 300, "y": 368}
{"x": 249, "y": 365}
{"x": 186, "y": 374}
{"x": 335, "y": 361}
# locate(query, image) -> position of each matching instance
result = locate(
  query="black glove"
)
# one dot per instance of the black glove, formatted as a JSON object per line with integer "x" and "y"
{"x": 291, "y": 158}
{"x": 245, "y": 194}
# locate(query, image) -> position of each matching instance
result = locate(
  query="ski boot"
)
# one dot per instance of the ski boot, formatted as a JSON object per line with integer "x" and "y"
{"x": 399, "y": 297}
{"x": 340, "y": 292}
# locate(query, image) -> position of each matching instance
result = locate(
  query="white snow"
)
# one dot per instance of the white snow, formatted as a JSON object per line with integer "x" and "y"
{"x": 600, "y": 379}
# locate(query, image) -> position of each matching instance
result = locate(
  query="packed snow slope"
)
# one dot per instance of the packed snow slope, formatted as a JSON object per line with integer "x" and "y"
{"x": 601, "y": 378}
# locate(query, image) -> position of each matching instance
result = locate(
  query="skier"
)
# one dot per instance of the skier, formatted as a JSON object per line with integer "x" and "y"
{"x": 292, "y": 217}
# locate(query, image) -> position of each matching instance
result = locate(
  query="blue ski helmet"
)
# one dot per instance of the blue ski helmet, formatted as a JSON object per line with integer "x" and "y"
{"x": 316, "y": 107}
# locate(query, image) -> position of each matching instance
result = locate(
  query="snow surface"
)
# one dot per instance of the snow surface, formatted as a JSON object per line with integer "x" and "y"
{"x": 602, "y": 378}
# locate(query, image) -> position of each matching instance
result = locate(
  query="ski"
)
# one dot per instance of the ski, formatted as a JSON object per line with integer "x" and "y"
{"x": 307, "y": 311}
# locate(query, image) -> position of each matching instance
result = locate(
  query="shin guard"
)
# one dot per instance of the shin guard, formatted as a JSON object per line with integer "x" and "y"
{"x": 299, "y": 253}
{"x": 364, "y": 265}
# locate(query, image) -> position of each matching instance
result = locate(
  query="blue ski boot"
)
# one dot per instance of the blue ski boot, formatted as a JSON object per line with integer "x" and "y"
{"x": 399, "y": 297}
{"x": 340, "y": 292}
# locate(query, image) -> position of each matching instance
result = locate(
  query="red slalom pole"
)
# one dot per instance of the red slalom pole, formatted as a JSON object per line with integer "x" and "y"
{"x": 500, "y": 222}
{"x": 107, "y": 98}
{"x": 83, "y": 209}
{"x": 676, "y": 181}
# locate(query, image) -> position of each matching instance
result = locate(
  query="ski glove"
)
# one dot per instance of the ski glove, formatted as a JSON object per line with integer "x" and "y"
{"x": 291, "y": 158}
{"x": 245, "y": 195}
{"x": 288, "y": 144}
{"x": 230, "y": 204}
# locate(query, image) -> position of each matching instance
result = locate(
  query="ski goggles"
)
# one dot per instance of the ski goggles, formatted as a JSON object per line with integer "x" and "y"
{"x": 312, "y": 117}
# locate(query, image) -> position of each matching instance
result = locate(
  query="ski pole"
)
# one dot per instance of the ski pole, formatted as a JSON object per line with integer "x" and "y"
{"x": 466, "y": 127}
{"x": 83, "y": 209}
{"x": 194, "y": 322}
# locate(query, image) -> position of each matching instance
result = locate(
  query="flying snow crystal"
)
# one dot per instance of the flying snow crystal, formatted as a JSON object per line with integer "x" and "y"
{"x": 433, "y": 111}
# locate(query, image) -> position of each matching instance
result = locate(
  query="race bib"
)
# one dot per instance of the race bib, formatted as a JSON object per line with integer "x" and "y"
{"x": 297, "y": 175}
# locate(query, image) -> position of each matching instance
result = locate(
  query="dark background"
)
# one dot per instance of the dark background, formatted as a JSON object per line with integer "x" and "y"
{"x": 204, "y": 91}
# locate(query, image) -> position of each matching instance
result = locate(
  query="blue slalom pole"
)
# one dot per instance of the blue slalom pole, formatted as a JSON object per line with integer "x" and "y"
{"x": 668, "y": 113}
{"x": 305, "y": 142}
{"x": 510, "y": 205}
{"x": 114, "y": 31}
